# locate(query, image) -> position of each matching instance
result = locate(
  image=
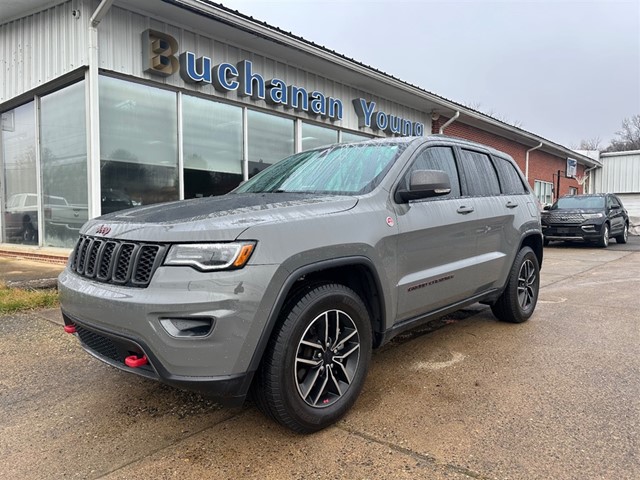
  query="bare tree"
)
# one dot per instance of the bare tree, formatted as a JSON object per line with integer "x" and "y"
{"x": 628, "y": 136}
{"x": 589, "y": 144}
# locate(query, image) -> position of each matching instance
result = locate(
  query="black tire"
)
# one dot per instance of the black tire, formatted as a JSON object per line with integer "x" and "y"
{"x": 603, "y": 242}
{"x": 307, "y": 386}
{"x": 518, "y": 301}
{"x": 622, "y": 238}
{"x": 545, "y": 242}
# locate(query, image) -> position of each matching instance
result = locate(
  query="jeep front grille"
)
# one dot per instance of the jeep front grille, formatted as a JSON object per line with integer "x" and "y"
{"x": 116, "y": 261}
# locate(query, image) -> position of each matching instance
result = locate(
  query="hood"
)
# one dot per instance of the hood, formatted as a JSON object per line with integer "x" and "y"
{"x": 571, "y": 211}
{"x": 221, "y": 218}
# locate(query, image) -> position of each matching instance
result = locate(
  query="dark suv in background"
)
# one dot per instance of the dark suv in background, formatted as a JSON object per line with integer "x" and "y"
{"x": 589, "y": 218}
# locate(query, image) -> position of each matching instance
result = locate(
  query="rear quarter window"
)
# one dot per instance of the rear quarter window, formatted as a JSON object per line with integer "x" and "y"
{"x": 510, "y": 180}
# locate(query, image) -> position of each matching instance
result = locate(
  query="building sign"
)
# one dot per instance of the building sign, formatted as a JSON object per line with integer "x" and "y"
{"x": 160, "y": 56}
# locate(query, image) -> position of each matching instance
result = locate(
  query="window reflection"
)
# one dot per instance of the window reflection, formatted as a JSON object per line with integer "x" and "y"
{"x": 212, "y": 146}
{"x": 348, "y": 137}
{"x": 138, "y": 143}
{"x": 20, "y": 202}
{"x": 64, "y": 165}
{"x": 316, "y": 136}
{"x": 270, "y": 140}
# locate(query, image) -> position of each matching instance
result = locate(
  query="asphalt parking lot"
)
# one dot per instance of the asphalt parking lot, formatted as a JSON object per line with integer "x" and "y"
{"x": 466, "y": 398}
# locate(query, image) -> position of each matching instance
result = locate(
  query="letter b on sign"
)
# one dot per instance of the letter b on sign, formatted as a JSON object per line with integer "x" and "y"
{"x": 158, "y": 53}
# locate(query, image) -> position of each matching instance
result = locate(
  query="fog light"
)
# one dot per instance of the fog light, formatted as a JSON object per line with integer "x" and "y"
{"x": 188, "y": 326}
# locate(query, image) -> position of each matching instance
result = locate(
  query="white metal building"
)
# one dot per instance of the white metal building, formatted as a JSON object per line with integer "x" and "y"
{"x": 620, "y": 174}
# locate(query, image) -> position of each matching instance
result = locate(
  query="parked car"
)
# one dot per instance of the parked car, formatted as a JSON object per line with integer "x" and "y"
{"x": 589, "y": 218}
{"x": 21, "y": 218}
{"x": 287, "y": 283}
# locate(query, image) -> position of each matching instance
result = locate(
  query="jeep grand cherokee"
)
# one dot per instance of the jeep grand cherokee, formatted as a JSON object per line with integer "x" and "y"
{"x": 285, "y": 285}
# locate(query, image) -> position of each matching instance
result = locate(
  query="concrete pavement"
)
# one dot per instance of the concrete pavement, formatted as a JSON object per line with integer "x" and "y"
{"x": 557, "y": 397}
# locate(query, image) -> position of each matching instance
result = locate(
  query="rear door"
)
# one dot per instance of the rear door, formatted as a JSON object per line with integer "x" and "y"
{"x": 499, "y": 212}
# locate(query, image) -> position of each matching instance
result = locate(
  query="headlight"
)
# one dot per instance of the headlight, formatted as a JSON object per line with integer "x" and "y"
{"x": 588, "y": 216}
{"x": 210, "y": 256}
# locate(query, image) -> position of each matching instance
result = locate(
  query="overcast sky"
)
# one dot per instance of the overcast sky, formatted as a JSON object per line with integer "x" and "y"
{"x": 565, "y": 70}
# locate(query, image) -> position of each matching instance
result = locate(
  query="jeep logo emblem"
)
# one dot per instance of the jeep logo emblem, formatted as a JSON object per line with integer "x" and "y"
{"x": 103, "y": 230}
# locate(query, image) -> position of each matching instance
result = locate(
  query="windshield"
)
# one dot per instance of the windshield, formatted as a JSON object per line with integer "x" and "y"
{"x": 341, "y": 170}
{"x": 579, "y": 202}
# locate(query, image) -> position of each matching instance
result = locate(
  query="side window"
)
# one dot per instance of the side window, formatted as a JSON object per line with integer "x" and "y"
{"x": 436, "y": 158}
{"x": 609, "y": 202}
{"x": 481, "y": 176}
{"x": 509, "y": 178}
{"x": 614, "y": 201}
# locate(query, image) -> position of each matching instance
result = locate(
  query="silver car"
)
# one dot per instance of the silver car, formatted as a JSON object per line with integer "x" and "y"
{"x": 285, "y": 285}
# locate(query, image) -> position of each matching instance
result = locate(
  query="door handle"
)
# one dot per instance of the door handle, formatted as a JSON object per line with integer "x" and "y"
{"x": 511, "y": 205}
{"x": 464, "y": 210}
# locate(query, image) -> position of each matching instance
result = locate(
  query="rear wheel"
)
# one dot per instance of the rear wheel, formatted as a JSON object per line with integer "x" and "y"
{"x": 317, "y": 360}
{"x": 518, "y": 301}
{"x": 622, "y": 238}
{"x": 604, "y": 237}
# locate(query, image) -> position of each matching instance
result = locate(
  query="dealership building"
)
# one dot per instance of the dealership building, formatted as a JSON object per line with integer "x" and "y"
{"x": 111, "y": 104}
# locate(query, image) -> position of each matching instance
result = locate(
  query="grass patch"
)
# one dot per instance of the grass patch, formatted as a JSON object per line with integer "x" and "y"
{"x": 15, "y": 299}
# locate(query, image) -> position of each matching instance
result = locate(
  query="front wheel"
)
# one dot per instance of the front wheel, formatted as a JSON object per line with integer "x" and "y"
{"x": 518, "y": 301}
{"x": 603, "y": 242}
{"x": 317, "y": 360}
{"x": 622, "y": 238}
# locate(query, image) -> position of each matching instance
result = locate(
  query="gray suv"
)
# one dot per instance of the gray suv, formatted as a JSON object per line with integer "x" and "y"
{"x": 284, "y": 286}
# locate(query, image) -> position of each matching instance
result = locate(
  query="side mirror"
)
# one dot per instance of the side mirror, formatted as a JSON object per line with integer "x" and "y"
{"x": 615, "y": 207}
{"x": 547, "y": 207}
{"x": 425, "y": 184}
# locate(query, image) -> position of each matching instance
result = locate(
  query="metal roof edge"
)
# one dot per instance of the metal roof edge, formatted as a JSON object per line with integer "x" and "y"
{"x": 619, "y": 154}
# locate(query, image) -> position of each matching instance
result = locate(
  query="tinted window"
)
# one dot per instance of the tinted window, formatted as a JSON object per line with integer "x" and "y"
{"x": 436, "y": 158}
{"x": 614, "y": 201}
{"x": 480, "y": 174}
{"x": 509, "y": 178}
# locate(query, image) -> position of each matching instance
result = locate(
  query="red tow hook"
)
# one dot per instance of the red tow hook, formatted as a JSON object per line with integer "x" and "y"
{"x": 70, "y": 328}
{"x": 134, "y": 361}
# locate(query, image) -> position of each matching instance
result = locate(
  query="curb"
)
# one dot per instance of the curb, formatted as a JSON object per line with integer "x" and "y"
{"x": 39, "y": 284}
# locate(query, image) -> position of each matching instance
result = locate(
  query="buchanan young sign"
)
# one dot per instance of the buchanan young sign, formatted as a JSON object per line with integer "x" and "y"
{"x": 160, "y": 57}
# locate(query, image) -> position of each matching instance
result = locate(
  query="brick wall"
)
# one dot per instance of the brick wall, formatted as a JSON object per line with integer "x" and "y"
{"x": 542, "y": 166}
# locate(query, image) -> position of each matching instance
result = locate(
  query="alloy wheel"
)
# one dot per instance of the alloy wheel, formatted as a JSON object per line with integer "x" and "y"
{"x": 327, "y": 358}
{"x": 527, "y": 280}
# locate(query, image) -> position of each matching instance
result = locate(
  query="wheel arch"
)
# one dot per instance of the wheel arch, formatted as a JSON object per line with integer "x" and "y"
{"x": 535, "y": 242}
{"x": 357, "y": 273}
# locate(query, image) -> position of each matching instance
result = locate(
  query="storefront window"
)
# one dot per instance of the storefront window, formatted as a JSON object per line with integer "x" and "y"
{"x": 138, "y": 144}
{"x": 270, "y": 140}
{"x": 20, "y": 203}
{"x": 212, "y": 147}
{"x": 348, "y": 137}
{"x": 315, "y": 136}
{"x": 63, "y": 157}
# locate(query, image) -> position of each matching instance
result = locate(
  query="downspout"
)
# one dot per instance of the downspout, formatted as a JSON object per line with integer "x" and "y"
{"x": 449, "y": 122}
{"x": 93, "y": 112}
{"x": 526, "y": 161}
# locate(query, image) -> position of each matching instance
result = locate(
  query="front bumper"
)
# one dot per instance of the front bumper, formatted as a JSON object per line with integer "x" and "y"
{"x": 113, "y": 322}
{"x": 586, "y": 232}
